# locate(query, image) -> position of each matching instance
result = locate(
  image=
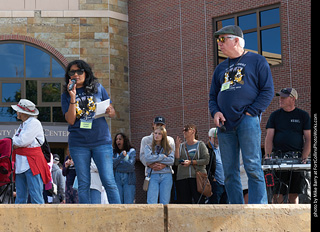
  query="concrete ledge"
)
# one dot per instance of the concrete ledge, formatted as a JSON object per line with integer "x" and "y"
{"x": 176, "y": 218}
{"x": 92, "y": 218}
{"x": 239, "y": 218}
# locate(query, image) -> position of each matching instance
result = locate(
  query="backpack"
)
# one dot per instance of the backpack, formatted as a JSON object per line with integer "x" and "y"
{"x": 45, "y": 149}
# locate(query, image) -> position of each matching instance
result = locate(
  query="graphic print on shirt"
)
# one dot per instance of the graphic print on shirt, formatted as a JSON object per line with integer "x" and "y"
{"x": 192, "y": 153}
{"x": 85, "y": 106}
{"x": 235, "y": 75}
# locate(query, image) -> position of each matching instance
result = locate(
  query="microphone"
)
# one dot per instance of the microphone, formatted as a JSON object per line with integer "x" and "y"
{"x": 74, "y": 81}
{"x": 222, "y": 127}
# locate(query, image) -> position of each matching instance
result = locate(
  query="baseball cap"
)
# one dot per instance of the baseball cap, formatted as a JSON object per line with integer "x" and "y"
{"x": 287, "y": 92}
{"x": 159, "y": 119}
{"x": 229, "y": 30}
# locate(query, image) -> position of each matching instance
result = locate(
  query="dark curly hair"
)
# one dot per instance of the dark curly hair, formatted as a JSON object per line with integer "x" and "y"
{"x": 126, "y": 144}
{"x": 90, "y": 83}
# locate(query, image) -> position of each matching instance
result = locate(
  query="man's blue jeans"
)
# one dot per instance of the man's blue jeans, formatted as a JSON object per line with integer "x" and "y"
{"x": 159, "y": 186}
{"x": 247, "y": 138}
{"x": 27, "y": 183}
{"x": 102, "y": 156}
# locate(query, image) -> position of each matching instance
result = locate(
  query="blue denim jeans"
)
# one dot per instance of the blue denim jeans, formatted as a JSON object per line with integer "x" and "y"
{"x": 159, "y": 187}
{"x": 95, "y": 196}
{"x": 247, "y": 138}
{"x": 27, "y": 183}
{"x": 127, "y": 191}
{"x": 102, "y": 156}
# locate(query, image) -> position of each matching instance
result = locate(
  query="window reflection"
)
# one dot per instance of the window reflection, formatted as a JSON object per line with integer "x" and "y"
{"x": 57, "y": 69}
{"x": 7, "y": 114}
{"x": 58, "y": 115}
{"x": 247, "y": 22}
{"x": 29, "y": 65}
{"x": 251, "y": 42}
{"x": 51, "y": 92}
{"x": 271, "y": 45}
{"x": 37, "y": 63}
{"x": 44, "y": 114}
{"x": 225, "y": 22}
{"x": 11, "y": 57}
{"x": 11, "y": 92}
{"x": 269, "y": 17}
{"x": 31, "y": 91}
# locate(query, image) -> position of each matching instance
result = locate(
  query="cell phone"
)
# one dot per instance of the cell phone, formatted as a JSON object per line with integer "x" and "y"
{"x": 181, "y": 161}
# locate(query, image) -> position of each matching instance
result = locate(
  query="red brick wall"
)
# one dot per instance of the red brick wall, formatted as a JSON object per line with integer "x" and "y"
{"x": 171, "y": 54}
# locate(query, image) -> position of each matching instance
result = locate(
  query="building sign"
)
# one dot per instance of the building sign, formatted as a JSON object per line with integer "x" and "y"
{"x": 56, "y": 134}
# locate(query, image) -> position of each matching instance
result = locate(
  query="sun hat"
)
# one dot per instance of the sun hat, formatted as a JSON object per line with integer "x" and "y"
{"x": 25, "y": 106}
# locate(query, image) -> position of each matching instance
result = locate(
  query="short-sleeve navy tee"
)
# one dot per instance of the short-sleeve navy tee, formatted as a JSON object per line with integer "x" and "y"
{"x": 99, "y": 134}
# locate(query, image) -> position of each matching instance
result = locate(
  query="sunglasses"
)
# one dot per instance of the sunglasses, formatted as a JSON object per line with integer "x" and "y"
{"x": 223, "y": 39}
{"x": 186, "y": 129}
{"x": 73, "y": 72}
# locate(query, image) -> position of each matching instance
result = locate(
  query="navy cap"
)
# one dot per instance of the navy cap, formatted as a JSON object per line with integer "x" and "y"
{"x": 159, "y": 119}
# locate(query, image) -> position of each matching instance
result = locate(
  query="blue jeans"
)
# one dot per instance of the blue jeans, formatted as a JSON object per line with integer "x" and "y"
{"x": 27, "y": 183}
{"x": 159, "y": 187}
{"x": 219, "y": 195}
{"x": 127, "y": 191}
{"x": 102, "y": 156}
{"x": 247, "y": 137}
{"x": 95, "y": 196}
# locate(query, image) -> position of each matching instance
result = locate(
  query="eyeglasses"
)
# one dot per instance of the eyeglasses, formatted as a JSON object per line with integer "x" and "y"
{"x": 73, "y": 72}
{"x": 223, "y": 39}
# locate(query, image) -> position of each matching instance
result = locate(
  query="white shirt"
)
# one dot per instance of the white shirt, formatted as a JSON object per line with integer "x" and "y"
{"x": 26, "y": 136}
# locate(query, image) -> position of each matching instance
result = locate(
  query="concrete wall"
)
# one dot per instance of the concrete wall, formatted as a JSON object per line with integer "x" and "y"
{"x": 95, "y": 218}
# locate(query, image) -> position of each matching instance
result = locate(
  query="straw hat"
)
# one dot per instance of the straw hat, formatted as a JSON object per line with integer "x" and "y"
{"x": 27, "y": 107}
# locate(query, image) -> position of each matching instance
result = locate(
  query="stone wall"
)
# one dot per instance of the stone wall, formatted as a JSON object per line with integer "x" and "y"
{"x": 97, "y": 32}
{"x": 175, "y": 218}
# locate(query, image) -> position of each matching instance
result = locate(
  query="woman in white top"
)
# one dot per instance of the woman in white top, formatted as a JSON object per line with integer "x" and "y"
{"x": 31, "y": 167}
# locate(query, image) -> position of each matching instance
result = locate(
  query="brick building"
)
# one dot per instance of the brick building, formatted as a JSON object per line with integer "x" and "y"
{"x": 173, "y": 55}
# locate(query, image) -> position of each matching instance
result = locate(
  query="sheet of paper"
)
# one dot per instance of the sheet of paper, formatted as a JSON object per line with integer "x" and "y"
{"x": 101, "y": 108}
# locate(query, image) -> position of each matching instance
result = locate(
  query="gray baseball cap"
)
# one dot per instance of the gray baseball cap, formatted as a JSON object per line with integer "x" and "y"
{"x": 229, "y": 30}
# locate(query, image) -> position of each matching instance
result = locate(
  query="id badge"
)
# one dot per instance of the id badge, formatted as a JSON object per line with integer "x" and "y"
{"x": 86, "y": 124}
{"x": 225, "y": 86}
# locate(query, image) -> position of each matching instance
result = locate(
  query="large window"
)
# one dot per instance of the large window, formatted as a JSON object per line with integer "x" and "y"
{"x": 261, "y": 29}
{"x": 27, "y": 71}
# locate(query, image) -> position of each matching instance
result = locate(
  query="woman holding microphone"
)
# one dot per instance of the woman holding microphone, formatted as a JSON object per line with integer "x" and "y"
{"x": 89, "y": 136}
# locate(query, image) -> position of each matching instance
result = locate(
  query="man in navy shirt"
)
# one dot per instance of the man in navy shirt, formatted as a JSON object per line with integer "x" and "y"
{"x": 241, "y": 89}
{"x": 288, "y": 135}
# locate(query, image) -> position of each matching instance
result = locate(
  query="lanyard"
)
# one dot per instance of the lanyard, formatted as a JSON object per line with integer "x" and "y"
{"x": 232, "y": 78}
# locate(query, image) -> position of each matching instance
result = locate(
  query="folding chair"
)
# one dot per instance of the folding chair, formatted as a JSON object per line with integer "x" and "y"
{"x": 6, "y": 171}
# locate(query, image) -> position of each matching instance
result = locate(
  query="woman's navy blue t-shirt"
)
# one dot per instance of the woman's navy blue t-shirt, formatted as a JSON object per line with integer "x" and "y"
{"x": 99, "y": 134}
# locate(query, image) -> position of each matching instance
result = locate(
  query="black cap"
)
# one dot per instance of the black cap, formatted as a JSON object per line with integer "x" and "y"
{"x": 229, "y": 30}
{"x": 159, "y": 119}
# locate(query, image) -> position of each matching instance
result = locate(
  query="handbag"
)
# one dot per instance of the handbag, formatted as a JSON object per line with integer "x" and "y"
{"x": 203, "y": 183}
{"x": 146, "y": 182}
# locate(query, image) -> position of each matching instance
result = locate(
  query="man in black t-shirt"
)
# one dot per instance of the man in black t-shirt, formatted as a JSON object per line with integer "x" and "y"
{"x": 288, "y": 130}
